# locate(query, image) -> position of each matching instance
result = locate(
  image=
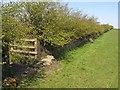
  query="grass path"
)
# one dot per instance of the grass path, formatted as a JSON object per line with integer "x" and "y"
{"x": 94, "y": 65}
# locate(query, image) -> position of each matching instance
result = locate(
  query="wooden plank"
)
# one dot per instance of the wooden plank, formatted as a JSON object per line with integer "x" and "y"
{"x": 29, "y": 40}
{"x": 20, "y": 46}
{"x": 29, "y": 56}
{"x": 21, "y": 51}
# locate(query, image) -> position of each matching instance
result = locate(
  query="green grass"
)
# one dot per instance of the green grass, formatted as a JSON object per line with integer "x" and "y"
{"x": 94, "y": 65}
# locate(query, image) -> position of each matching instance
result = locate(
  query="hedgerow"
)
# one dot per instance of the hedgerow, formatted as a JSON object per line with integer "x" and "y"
{"x": 52, "y": 22}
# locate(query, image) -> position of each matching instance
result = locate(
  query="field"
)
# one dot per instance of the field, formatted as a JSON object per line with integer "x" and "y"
{"x": 93, "y": 65}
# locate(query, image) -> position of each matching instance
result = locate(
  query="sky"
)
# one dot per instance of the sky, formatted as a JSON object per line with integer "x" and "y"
{"x": 105, "y": 10}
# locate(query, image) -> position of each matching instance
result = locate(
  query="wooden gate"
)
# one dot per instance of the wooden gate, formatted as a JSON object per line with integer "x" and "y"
{"x": 30, "y": 48}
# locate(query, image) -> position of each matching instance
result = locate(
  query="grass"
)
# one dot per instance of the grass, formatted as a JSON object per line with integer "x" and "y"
{"x": 94, "y": 65}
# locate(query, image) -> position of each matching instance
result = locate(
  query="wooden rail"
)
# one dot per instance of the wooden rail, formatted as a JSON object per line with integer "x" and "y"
{"x": 22, "y": 51}
{"x": 26, "y": 49}
{"x": 22, "y": 46}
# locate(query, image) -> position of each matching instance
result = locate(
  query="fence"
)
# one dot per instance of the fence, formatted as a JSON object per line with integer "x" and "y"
{"x": 30, "y": 48}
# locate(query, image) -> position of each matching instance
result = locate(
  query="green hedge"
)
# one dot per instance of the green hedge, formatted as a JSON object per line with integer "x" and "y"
{"x": 53, "y": 23}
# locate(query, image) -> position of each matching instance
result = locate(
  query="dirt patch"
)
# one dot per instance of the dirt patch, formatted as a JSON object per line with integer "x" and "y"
{"x": 51, "y": 68}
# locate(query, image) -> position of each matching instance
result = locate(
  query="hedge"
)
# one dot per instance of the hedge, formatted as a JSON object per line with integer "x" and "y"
{"x": 53, "y": 23}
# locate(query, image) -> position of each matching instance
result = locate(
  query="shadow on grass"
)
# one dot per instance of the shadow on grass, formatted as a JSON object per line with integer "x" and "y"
{"x": 60, "y": 53}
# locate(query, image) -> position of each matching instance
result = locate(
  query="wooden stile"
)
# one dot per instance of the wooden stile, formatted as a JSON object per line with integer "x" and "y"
{"x": 25, "y": 49}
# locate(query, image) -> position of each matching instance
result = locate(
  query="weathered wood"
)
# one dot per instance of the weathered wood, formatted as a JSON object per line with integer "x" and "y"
{"x": 29, "y": 56}
{"x": 20, "y": 46}
{"x": 38, "y": 49}
{"x": 36, "y": 53}
{"x": 22, "y": 51}
{"x": 32, "y": 40}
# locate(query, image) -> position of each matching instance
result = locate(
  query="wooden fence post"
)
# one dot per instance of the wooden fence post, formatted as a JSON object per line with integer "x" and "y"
{"x": 38, "y": 49}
